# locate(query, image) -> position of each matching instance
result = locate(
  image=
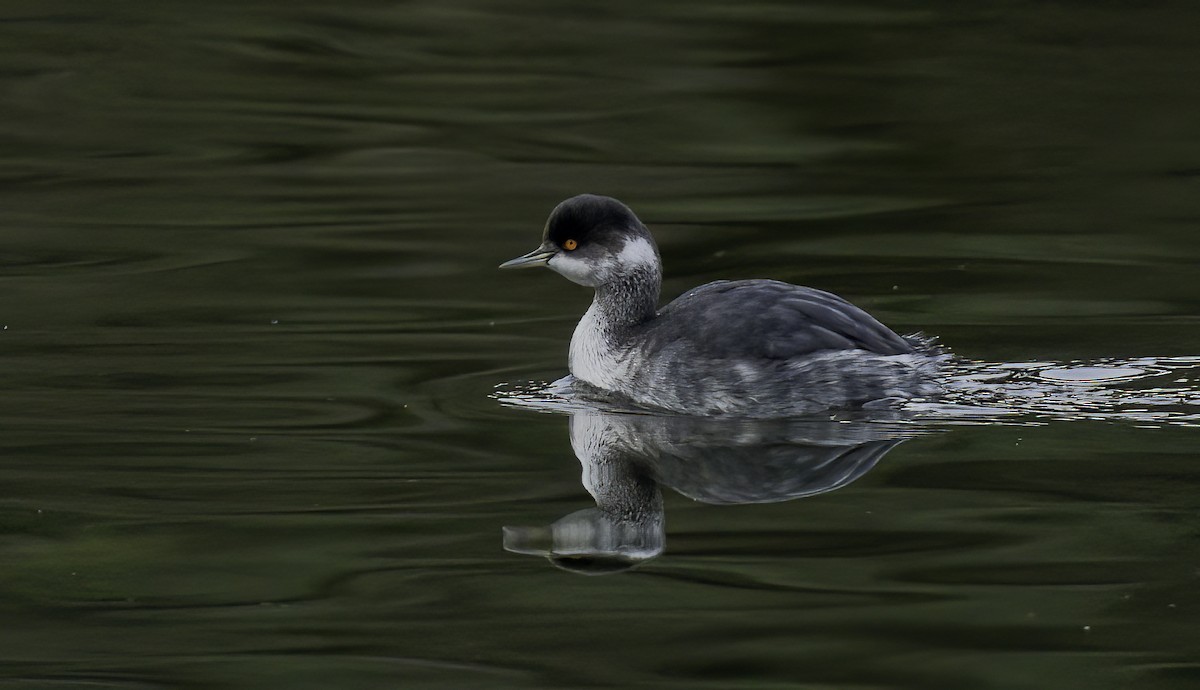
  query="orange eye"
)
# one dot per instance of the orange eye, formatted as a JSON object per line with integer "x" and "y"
{"x": 570, "y": 245}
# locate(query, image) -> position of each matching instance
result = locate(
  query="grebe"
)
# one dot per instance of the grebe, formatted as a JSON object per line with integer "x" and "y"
{"x": 759, "y": 348}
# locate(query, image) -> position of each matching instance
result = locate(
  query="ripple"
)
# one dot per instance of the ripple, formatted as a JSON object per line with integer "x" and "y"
{"x": 49, "y": 264}
{"x": 1086, "y": 374}
{"x": 1147, "y": 391}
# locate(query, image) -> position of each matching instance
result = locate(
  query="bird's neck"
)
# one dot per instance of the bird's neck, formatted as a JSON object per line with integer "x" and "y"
{"x": 626, "y": 302}
{"x": 600, "y": 346}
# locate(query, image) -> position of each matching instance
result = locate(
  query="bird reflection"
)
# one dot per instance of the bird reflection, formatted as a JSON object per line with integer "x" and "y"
{"x": 628, "y": 458}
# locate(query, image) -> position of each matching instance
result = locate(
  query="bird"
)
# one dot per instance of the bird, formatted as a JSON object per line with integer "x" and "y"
{"x": 753, "y": 348}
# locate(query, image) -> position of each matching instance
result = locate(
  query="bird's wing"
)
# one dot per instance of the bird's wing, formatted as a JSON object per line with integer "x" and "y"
{"x": 769, "y": 319}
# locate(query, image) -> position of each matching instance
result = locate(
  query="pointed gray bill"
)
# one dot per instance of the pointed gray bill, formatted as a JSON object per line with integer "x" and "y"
{"x": 537, "y": 257}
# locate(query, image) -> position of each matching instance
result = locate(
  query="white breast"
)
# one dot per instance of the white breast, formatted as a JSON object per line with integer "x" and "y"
{"x": 592, "y": 359}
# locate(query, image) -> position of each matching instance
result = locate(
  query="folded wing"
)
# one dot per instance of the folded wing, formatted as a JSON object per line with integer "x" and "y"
{"x": 769, "y": 319}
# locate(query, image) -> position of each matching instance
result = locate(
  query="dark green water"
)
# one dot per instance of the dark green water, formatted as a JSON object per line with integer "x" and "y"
{"x": 252, "y": 329}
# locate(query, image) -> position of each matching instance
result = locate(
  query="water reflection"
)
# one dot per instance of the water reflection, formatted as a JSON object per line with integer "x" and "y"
{"x": 628, "y": 458}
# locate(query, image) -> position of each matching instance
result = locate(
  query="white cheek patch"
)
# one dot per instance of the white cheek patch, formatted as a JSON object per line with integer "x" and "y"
{"x": 575, "y": 270}
{"x": 602, "y": 266}
{"x": 638, "y": 252}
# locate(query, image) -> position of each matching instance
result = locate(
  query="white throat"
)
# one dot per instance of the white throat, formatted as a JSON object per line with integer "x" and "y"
{"x": 593, "y": 359}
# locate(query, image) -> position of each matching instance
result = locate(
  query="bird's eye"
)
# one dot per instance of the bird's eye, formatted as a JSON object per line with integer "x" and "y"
{"x": 569, "y": 245}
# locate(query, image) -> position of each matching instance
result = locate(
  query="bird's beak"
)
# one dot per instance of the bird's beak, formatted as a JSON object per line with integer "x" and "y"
{"x": 538, "y": 257}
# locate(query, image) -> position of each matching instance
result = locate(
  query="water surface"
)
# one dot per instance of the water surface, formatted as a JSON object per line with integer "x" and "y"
{"x": 252, "y": 334}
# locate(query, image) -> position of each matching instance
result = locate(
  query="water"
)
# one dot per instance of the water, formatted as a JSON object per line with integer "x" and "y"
{"x": 253, "y": 335}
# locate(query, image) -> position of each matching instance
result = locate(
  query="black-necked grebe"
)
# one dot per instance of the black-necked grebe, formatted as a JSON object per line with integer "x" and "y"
{"x": 759, "y": 348}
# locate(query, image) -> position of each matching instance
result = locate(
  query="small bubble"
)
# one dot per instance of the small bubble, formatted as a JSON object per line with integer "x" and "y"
{"x": 1087, "y": 628}
{"x": 274, "y": 322}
